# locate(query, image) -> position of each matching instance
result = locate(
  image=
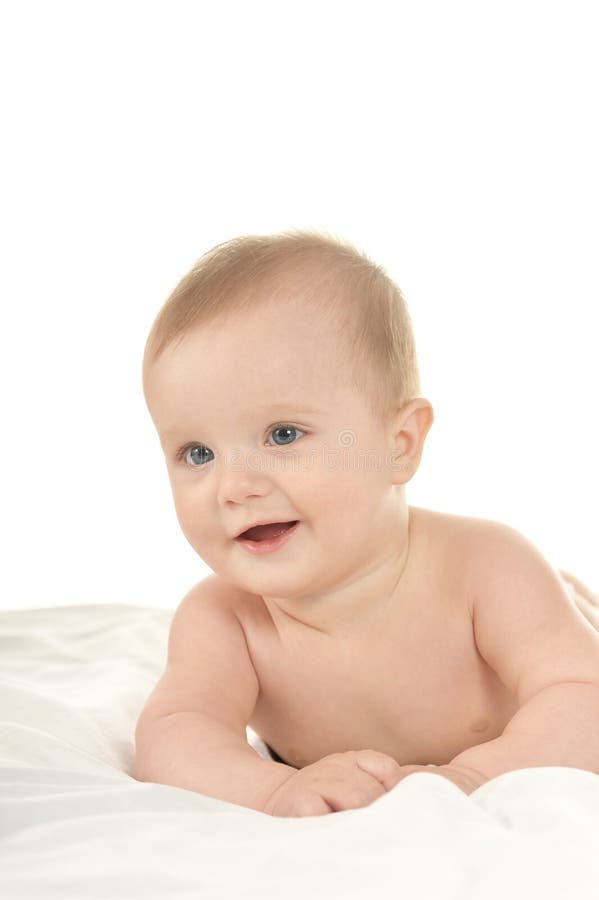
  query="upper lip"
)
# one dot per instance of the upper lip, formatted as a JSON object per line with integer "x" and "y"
{"x": 265, "y": 522}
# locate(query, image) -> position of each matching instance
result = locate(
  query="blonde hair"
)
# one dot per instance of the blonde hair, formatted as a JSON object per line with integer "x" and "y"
{"x": 366, "y": 306}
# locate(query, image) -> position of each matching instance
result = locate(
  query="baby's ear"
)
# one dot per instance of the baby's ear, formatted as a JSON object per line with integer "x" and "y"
{"x": 412, "y": 425}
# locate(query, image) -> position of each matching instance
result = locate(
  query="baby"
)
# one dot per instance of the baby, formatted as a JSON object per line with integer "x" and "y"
{"x": 362, "y": 639}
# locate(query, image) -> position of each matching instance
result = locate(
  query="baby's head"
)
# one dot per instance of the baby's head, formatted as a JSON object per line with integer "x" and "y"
{"x": 331, "y": 280}
{"x": 300, "y": 334}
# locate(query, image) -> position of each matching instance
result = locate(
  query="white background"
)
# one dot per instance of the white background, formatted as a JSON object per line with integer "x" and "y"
{"x": 456, "y": 143}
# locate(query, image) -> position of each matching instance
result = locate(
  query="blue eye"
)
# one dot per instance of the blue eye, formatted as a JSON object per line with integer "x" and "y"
{"x": 196, "y": 451}
{"x": 196, "y": 455}
{"x": 289, "y": 433}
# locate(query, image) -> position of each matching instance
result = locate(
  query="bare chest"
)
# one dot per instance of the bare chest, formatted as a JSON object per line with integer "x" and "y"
{"x": 418, "y": 690}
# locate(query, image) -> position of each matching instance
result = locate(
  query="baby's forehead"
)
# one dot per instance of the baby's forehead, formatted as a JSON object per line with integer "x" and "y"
{"x": 283, "y": 332}
{"x": 280, "y": 352}
{"x": 289, "y": 328}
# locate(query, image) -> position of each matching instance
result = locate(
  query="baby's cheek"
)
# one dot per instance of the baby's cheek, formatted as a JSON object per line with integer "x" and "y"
{"x": 193, "y": 521}
{"x": 342, "y": 512}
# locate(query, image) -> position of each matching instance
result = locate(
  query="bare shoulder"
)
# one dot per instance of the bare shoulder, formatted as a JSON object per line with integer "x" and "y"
{"x": 487, "y": 550}
{"x": 456, "y": 538}
{"x": 209, "y": 668}
{"x": 463, "y": 546}
{"x": 470, "y": 532}
{"x": 213, "y": 589}
{"x": 484, "y": 539}
{"x": 228, "y": 602}
{"x": 493, "y": 548}
{"x": 448, "y": 526}
{"x": 450, "y": 523}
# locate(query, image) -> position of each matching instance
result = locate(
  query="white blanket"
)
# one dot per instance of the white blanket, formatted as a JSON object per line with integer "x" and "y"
{"x": 75, "y": 824}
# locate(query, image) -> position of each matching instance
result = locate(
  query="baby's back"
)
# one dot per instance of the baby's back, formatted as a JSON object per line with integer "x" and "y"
{"x": 411, "y": 684}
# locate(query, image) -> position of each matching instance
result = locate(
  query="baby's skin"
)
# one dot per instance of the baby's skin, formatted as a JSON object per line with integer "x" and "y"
{"x": 410, "y": 682}
{"x": 375, "y": 639}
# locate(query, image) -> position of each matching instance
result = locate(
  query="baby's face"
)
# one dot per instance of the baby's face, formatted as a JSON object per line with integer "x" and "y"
{"x": 258, "y": 425}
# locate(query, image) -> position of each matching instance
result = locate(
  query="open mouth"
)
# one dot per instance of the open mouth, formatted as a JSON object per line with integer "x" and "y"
{"x": 266, "y": 532}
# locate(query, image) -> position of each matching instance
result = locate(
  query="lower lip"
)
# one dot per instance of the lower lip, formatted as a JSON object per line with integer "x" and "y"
{"x": 257, "y": 548}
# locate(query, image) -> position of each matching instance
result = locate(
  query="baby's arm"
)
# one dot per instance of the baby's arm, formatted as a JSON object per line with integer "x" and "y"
{"x": 192, "y": 730}
{"x": 543, "y": 649}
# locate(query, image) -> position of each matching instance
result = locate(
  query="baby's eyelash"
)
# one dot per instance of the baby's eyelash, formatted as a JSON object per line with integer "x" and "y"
{"x": 181, "y": 453}
{"x": 183, "y": 450}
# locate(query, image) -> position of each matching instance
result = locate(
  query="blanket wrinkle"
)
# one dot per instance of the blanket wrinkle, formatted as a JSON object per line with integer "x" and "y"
{"x": 74, "y": 823}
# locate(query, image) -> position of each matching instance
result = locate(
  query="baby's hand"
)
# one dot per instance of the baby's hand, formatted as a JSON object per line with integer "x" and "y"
{"x": 334, "y": 783}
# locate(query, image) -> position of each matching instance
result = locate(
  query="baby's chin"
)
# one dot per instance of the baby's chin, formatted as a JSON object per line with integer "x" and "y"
{"x": 280, "y": 587}
{"x": 291, "y": 584}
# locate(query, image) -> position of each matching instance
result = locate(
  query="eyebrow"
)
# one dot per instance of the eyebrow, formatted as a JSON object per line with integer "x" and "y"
{"x": 271, "y": 408}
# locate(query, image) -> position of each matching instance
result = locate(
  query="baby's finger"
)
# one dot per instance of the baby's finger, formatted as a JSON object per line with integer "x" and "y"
{"x": 381, "y": 766}
{"x": 308, "y": 803}
{"x": 346, "y": 794}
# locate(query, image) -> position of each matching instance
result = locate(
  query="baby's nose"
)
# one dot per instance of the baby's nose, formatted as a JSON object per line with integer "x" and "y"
{"x": 241, "y": 476}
